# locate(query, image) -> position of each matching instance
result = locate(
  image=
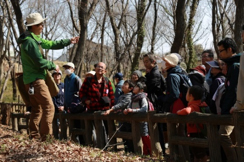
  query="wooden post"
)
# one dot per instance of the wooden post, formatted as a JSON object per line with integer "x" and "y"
{"x": 136, "y": 129}
{"x": 213, "y": 143}
{"x": 239, "y": 134}
{"x": 153, "y": 132}
{"x": 63, "y": 126}
{"x": 111, "y": 130}
{"x": 88, "y": 135}
{"x": 99, "y": 130}
{"x": 14, "y": 122}
{"x": 5, "y": 111}
{"x": 171, "y": 127}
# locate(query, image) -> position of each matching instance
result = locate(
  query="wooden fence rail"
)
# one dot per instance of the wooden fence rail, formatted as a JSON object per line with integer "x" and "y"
{"x": 210, "y": 121}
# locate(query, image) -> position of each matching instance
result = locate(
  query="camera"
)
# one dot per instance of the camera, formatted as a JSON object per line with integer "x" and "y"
{"x": 31, "y": 90}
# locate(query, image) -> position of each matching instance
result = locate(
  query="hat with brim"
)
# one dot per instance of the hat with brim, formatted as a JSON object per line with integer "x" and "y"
{"x": 69, "y": 64}
{"x": 34, "y": 19}
{"x": 213, "y": 64}
{"x": 172, "y": 59}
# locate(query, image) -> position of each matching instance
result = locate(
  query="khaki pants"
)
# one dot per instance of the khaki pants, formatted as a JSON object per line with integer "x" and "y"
{"x": 226, "y": 143}
{"x": 42, "y": 111}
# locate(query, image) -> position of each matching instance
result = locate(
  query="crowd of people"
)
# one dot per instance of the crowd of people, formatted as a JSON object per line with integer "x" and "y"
{"x": 212, "y": 84}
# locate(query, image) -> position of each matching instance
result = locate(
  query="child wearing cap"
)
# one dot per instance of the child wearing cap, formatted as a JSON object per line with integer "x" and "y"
{"x": 194, "y": 96}
{"x": 119, "y": 83}
{"x": 218, "y": 78}
{"x": 139, "y": 104}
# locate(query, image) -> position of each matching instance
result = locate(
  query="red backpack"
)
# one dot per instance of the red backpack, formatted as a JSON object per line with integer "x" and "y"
{"x": 150, "y": 105}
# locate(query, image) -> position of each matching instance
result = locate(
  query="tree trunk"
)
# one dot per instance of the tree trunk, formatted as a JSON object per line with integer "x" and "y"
{"x": 214, "y": 30}
{"x": 140, "y": 34}
{"x": 192, "y": 54}
{"x": 19, "y": 16}
{"x": 239, "y": 21}
{"x": 154, "y": 26}
{"x": 180, "y": 26}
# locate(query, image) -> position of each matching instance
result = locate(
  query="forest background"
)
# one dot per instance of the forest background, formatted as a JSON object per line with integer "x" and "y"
{"x": 118, "y": 32}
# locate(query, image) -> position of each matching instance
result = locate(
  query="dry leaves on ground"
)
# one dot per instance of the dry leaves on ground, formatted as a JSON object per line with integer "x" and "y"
{"x": 17, "y": 147}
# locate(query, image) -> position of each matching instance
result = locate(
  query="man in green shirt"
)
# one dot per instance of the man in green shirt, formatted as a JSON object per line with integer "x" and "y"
{"x": 34, "y": 74}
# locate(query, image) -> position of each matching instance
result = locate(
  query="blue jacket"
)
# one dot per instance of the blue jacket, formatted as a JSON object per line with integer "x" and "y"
{"x": 59, "y": 99}
{"x": 172, "y": 87}
{"x": 72, "y": 86}
{"x": 229, "y": 97}
{"x": 118, "y": 91}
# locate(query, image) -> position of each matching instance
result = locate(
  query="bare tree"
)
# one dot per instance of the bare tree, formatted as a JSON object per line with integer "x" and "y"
{"x": 238, "y": 24}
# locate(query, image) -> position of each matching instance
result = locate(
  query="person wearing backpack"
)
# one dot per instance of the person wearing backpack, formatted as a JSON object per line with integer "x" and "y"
{"x": 217, "y": 79}
{"x": 139, "y": 104}
{"x": 227, "y": 52}
{"x": 72, "y": 84}
{"x": 194, "y": 96}
{"x": 177, "y": 83}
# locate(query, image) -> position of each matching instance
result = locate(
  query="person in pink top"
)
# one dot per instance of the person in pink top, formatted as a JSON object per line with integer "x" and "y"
{"x": 194, "y": 96}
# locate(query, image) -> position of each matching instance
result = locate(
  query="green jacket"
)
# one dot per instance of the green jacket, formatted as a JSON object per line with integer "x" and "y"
{"x": 34, "y": 65}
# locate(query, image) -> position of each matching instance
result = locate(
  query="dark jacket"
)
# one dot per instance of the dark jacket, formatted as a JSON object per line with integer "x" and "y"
{"x": 229, "y": 97}
{"x": 59, "y": 99}
{"x": 155, "y": 85}
{"x": 123, "y": 102}
{"x": 216, "y": 81}
{"x": 72, "y": 85}
{"x": 173, "y": 87}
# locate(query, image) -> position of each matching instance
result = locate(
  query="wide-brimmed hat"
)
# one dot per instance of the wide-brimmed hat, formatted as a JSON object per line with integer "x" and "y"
{"x": 172, "y": 59}
{"x": 70, "y": 64}
{"x": 34, "y": 19}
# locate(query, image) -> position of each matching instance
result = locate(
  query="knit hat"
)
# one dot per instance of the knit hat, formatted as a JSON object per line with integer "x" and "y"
{"x": 172, "y": 59}
{"x": 201, "y": 69}
{"x": 34, "y": 19}
{"x": 138, "y": 73}
{"x": 119, "y": 76}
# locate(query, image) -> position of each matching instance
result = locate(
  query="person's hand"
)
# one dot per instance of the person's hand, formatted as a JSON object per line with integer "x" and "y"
{"x": 232, "y": 110}
{"x": 61, "y": 108}
{"x": 88, "y": 102}
{"x": 27, "y": 113}
{"x": 74, "y": 40}
{"x": 107, "y": 112}
{"x": 57, "y": 68}
{"x": 125, "y": 111}
{"x": 129, "y": 110}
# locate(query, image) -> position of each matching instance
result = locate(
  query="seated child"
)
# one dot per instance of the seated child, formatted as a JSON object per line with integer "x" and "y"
{"x": 124, "y": 102}
{"x": 194, "y": 96}
{"x": 139, "y": 104}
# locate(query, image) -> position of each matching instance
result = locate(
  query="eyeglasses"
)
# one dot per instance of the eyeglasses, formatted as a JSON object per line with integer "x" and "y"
{"x": 221, "y": 50}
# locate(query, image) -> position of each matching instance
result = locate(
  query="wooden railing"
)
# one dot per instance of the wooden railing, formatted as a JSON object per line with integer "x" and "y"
{"x": 210, "y": 121}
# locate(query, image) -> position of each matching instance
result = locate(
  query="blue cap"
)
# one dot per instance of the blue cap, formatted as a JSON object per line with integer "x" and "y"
{"x": 119, "y": 75}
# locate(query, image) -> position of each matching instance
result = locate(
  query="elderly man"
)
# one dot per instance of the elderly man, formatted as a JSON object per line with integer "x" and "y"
{"x": 34, "y": 74}
{"x": 97, "y": 92}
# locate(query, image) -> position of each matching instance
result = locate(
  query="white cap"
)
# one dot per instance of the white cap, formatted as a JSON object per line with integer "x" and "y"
{"x": 34, "y": 19}
{"x": 91, "y": 72}
{"x": 70, "y": 64}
